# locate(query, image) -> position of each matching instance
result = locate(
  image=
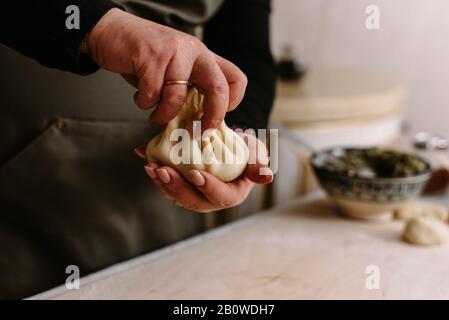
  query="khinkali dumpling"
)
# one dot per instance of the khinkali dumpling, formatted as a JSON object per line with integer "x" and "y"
{"x": 221, "y": 151}
{"x": 426, "y": 231}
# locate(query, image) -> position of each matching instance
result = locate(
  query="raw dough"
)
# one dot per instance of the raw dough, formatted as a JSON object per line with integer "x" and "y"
{"x": 426, "y": 231}
{"x": 413, "y": 210}
{"x": 222, "y": 153}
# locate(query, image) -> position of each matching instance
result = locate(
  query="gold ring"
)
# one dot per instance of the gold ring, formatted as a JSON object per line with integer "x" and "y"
{"x": 184, "y": 82}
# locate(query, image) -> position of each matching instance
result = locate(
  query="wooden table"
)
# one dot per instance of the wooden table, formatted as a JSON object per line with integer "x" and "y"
{"x": 303, "y": 250}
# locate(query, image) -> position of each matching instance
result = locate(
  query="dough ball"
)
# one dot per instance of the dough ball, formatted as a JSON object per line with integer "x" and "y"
{"x": 413, "y": 210}
{"x": 426, "y": 231}
{"x": 221, "y": 152}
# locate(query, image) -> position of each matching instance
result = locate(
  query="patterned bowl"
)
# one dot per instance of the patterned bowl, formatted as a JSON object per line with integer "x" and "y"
{"x": 368, "y": 198}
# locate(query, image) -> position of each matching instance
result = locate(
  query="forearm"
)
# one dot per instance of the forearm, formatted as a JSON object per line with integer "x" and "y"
{"x": 240, "y": 33}
{"x": 37, "y": 29}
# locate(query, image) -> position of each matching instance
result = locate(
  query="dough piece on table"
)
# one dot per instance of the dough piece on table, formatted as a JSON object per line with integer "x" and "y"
{"x": 413, "y": 210}
{"x": 222, "y": 152}
{"x": 426, "y": 231}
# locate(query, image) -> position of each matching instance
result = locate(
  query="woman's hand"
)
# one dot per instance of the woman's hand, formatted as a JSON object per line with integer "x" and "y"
{"x": 147, "y": 54}
{"x": 203, "y": 192}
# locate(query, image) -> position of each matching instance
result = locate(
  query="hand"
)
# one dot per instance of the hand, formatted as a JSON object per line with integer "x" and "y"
{"x": 147, "y": 54}
{"x": 203, "y": 192}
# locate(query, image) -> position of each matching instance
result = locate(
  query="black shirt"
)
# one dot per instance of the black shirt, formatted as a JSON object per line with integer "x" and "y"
{"x": 239, "y": 32}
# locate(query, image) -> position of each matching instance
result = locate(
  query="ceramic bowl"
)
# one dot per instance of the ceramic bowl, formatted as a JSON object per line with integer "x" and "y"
{"x": 368, "y": 198}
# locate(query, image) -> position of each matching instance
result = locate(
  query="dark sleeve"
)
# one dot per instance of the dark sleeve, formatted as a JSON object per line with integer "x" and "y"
{"x": 240, "y": 33}
{"x": 37, "y": 29}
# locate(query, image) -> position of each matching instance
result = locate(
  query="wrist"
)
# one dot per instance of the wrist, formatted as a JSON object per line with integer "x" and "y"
{"x": 91, "y": 38}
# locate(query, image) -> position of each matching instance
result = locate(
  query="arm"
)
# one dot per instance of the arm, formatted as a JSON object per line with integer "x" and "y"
{"x": 240, "y": 33}
{"x": 37, "y": 29}
{"x": 147, "y": 54}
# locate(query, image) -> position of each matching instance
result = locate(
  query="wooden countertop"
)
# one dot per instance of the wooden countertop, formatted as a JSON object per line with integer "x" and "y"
{"x": 301, "y": 251}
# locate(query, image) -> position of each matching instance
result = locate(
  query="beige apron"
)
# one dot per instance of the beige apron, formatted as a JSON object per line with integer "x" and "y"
{"x": 71, "y": 189}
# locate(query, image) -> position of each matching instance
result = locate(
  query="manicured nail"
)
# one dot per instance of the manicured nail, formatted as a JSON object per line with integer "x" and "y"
{"x": 153, "y": 165}
{"x": 267, "y": 174}
{"x": 139, "y": 152}
{"x": 265, "y": 171}
{"x": 163, "y": 175}
{"x": 197, "y": 178}
{"x": 150, "y": 172}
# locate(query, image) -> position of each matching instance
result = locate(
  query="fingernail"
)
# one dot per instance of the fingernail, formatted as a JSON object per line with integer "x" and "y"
{"x": 138, "y": 151}
{"x": 163, "y": 175}
{"x": 265, "y": 171}
{"x": 267, "y": 174}
{"x": 153, "y": 165}
{"x": 197, "y": 178}
{"x": 150, "y": 172}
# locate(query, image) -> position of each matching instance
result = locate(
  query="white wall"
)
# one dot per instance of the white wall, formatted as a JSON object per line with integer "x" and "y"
{"x": 412, "y": 45}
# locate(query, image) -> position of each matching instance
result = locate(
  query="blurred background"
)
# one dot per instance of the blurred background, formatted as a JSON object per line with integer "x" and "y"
{"x": 356, "y": 85}
{"x": 411, "y": 45}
